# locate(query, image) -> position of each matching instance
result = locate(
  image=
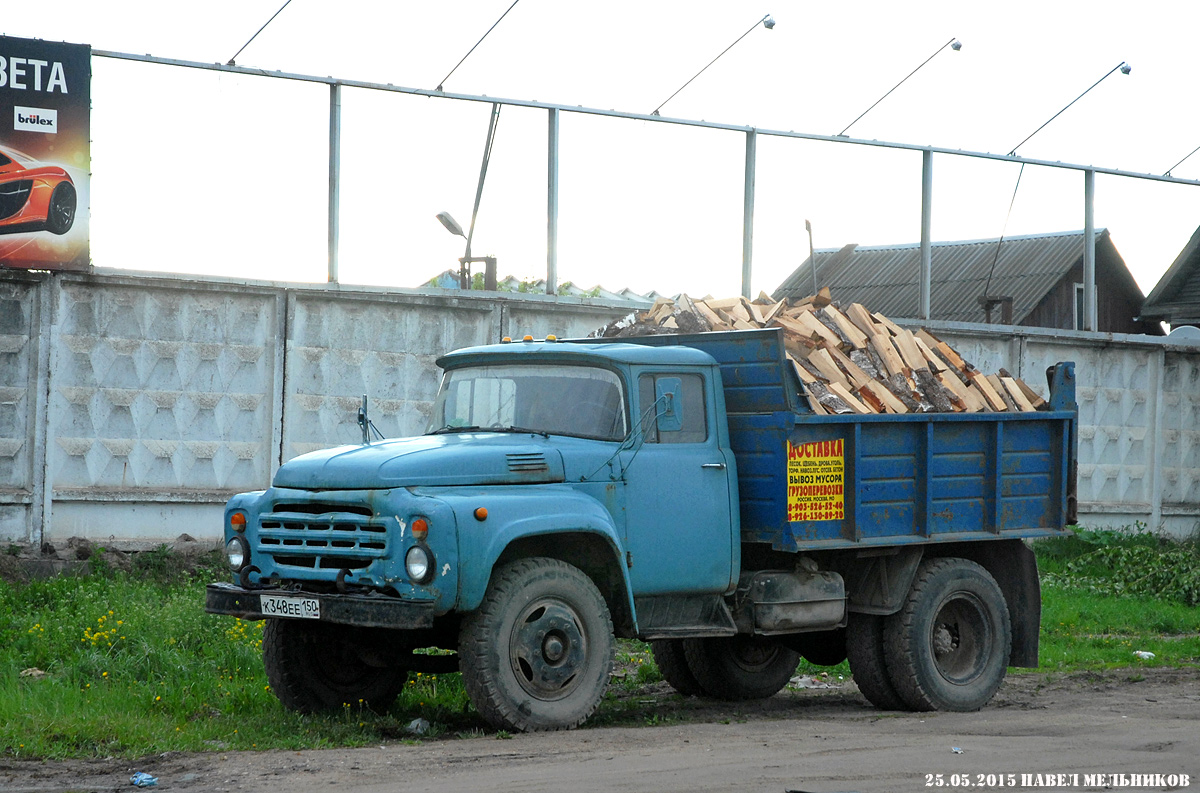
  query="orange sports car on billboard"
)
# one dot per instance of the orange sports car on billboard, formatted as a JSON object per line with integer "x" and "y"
{"x": 34, "y": 196}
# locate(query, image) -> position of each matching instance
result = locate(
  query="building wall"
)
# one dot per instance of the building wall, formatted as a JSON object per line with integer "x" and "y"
{"x": 1118, "y": 303}
{"x": 132, "y": 407}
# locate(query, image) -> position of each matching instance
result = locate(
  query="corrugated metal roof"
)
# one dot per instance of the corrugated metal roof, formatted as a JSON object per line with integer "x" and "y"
{"x": 886, "y": 278}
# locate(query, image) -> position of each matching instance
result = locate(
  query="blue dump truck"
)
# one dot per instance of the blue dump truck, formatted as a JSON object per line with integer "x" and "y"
{"x": 677, "y": 489}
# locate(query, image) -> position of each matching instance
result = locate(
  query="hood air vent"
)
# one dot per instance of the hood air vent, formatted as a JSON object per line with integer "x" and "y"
{"x": 525, "y": 462}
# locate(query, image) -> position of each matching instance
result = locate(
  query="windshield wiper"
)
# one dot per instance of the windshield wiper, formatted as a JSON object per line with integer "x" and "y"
{"x": 511, "y": 428}
{"x": 449, "y": 428}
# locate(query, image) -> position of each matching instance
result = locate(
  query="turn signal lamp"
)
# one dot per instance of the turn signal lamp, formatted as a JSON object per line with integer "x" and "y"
{"x": 420, "y": 528}
{"x": 481, "y": 514}
{"x": 237, "y": 521}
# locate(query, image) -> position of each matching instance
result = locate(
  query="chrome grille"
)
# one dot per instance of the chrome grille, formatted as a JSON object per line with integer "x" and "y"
{"x": 322, "y": 536}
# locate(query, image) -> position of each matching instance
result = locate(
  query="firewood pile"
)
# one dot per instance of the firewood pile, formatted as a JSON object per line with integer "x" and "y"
{"x": 849, "y": 359}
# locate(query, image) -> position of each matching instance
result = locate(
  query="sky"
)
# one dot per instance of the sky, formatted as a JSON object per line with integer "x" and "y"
{"x": 211, "y": 173}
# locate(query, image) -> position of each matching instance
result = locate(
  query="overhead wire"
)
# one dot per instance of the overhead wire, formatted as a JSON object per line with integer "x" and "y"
{"x": 481, "y": 38}
{"x": 1003, "y": 230}
{"x": 233, "y": 61}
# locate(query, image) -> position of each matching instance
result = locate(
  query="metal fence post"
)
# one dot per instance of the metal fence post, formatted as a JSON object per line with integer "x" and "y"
{"x": 1089, "y": 250}
{"x": 926, "y": 225}
{"x": 552, "y": 204}
{"x": 748, "y": 213}
{"x": 335, "y": 174}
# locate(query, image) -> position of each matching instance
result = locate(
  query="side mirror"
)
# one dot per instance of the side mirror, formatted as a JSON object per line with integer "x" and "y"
{"x": 667, "y": 395}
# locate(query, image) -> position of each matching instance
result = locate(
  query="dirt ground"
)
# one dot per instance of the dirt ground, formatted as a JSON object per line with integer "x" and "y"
{"x": 1144, "y": 721}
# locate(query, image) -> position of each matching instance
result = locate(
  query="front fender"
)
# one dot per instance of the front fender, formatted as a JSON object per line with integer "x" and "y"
{"x": 515, "y": 513}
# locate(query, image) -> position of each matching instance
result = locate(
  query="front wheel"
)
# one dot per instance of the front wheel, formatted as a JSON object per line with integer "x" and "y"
{"x": 948, "y": 647}
{"x": 740, "y": 667}
{"x": 538, "y": 652}
{"x": 318, "y": 666}
{"x": 60, "y": 214}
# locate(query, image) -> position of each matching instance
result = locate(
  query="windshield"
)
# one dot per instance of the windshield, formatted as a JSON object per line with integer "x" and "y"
{"x": 584, "y": 401}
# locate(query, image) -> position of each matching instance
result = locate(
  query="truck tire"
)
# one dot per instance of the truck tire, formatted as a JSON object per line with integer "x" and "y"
{"x": 740, "y": 667}
{"x": 672, "y": 665}
{"x": 318, "y": 666}
{"x": 864, "y": 649}
{"x": 538, "y": 652}
{"x": 948, "y": 646}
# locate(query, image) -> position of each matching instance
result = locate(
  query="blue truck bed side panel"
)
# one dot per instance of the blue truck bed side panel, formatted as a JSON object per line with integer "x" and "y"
{"x": 912, "y": 478}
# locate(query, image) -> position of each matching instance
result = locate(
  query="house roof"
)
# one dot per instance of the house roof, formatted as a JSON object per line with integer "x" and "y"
{"x": 1176, "y": 296}
{"x": 886, "y": 277}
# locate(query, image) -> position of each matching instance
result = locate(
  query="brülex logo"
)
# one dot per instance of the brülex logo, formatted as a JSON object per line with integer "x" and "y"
{"x": 35, "y": 119}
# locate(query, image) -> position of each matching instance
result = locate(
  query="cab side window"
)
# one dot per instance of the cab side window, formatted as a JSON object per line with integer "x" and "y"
{"x": 689, "y": 403}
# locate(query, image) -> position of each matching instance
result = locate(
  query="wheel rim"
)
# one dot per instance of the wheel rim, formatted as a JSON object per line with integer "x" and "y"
{"x": 62, "y": 209}
{"x": 753, "y": 655}
{"x": 959, "y": 638}
{"x": 548, "y": 649}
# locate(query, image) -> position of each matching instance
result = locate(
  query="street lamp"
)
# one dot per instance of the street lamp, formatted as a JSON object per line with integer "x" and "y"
{"x": 464, "y": 263}
{"x": 953, "y": 44}
{"x": 767, "y": 22}
{"x": 1123, "y": 67}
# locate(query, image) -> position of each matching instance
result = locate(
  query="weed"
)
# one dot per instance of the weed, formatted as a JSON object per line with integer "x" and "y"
{"x": 1123, "y": 562}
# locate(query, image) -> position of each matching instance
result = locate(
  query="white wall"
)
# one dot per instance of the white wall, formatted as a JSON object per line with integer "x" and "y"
{"x": 133, "y": 406}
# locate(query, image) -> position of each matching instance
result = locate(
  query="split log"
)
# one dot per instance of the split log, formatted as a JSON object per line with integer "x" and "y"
{"x": 856, "y": 405}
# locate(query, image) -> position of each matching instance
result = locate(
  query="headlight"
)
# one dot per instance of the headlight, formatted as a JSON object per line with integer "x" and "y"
{"x": 418, "y": 563}
{"x": 238, "y": 553}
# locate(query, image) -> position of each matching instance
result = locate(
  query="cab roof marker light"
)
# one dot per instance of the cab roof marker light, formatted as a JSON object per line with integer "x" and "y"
{"x": 527, "y": 337}
{"x": 551, "y": 337}
{"x": 506, "y": 340}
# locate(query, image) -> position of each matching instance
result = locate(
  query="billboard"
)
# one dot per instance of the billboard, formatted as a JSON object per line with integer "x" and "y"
{"x": 45, "y": 154}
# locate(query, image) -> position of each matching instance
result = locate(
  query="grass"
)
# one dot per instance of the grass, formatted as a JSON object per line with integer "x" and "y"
{"x": 1108, "y": 594}
{"x": 127, "y": 665}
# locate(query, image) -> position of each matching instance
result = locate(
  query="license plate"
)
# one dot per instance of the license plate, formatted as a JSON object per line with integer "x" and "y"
{"x": 298, "y": 608}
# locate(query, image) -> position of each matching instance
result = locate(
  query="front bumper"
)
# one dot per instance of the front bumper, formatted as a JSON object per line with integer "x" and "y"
{"x": 367, "y": 611}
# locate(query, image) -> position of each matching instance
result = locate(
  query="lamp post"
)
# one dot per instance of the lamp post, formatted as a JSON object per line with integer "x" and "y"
{"x": 953, "y": 44}
{"x": 812, "y": 256}
{"x": 767, "y": 22}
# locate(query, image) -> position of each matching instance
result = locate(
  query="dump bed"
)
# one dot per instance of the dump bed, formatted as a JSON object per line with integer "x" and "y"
{"x": 811, "y": 481}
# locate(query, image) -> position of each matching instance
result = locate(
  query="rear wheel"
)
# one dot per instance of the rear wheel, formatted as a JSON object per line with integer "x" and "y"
{"x": 948, "y": 647}
{"x": 740, "y": 667}
{"x": 864, "y": 648}
{"x": 672, "y": 664}
{"x": 316, "y": 666}
{"x": 538, "y": 652}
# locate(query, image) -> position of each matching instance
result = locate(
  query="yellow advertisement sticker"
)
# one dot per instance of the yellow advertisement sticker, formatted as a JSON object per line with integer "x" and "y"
{"x": 816, "y": 477}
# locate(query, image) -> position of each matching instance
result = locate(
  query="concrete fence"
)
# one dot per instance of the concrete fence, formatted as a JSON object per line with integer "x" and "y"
{"x": 132, "y": 406}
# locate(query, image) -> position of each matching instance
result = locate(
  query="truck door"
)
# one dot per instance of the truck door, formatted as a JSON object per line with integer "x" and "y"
{"x": 678, "y": 519}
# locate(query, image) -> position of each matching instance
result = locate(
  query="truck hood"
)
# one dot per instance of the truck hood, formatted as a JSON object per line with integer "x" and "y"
{"x": 464, "y": 459}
